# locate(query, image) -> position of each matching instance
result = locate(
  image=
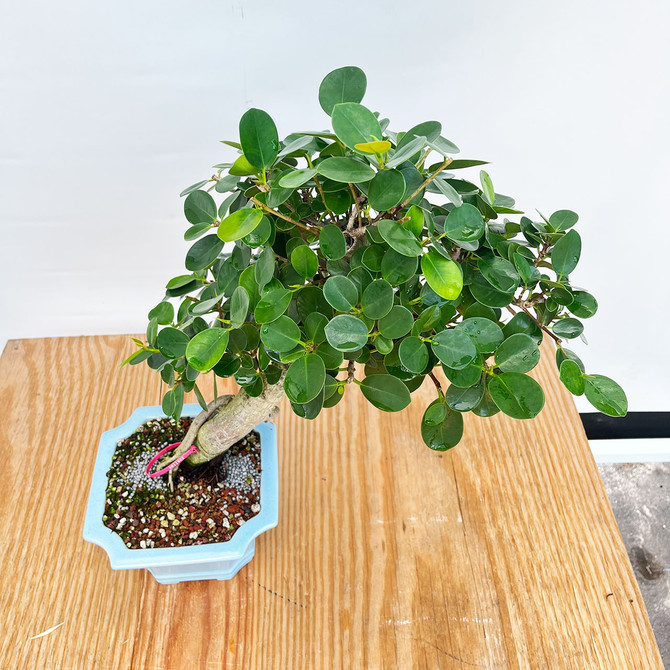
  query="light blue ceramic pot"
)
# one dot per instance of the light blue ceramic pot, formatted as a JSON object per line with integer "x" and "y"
{"x": 221, "y": 560}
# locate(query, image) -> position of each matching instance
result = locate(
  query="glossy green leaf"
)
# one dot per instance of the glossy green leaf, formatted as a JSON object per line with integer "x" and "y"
{"x": 238, "y": 224}
{"x": 196, "y": 230}
{"x": 304, "y": 261}
{"x": 386, "y": 190}
{"x": 338, "y": 202}
{"x": 280, "y": 335}
{"x": 484, "y": 293}
{"x": 272, "y": 305}
{"x": 529, "y": 274}
{"x": 305, "y": 378}
{"x": 203, "y": 253}
{"x": 487, "y": 187}
{"x": 297, "y": 178}
{"x": 377, "y": 299}
{"x": 397, "y": 323}
{"x": 354, "y": 124}
{"x": 467, "y": 376}
{"x": 583, "y": 305}
{"x": 346, "y": 333}
{"x": 227, "y": 366}
{"x": 345, "y": 170}
{"x": 486, "y": 406}
{"x": 429, "y": 129}
{"x": 518, "y": 353}
{"x": 566, "y": 252}
{"x": 522, "y": 323}
{"x": 163, "y": 313}
{"x": 563, "y": 354}
{"x": 205, "y": 350}
{"x": 414, "y": 180}
{"x": 443, "y": 275}
{"x": 384, "y": 345}
{"x": 314, "y": 327}
{"x": 415, "y": 220}
{"x": 464, "y": 399}
{"x": 606, "y": 395}
{"x": 332, "y": 243}
{"x": 446, "y": 148}
{"x": 465, "y": 163}
{"x": 454, "y": 348}
{"x": 464, "y": 224}
{"x": 172, "y": 343}
{"x": 239, "y": 307}
{"x": 310, "y": 299}
{"x": 180, "y": 281}
{"x": 331, "y": 357}
{"x": 447, "y": 190}
{"x": 243, "y": 168}
{"x": 397, "y": 269}
{"x": 572, "y": 377}
{"x": 258, "y": 137}
{"x": 173, "y": 402}
{"x": 568, "y": 328}
{"x": 517, "y": 395}
{"x": 310, "y": 410}
{"x": 406, "y": 151}
{"x": 226, "y": 184}
{"x": 435, "y": 413}
{"x": 194, "y": 187}
{"x": 278, "y": 195}
{"x": 297, "y": 145}
{"x": 386, "y": 392}
{"x": 372, "y": 258}
{"x": 264, "y": 267}
{"x": 500, "y": 273}
{"x": 443, "y": 435}
{"x": 413, "y": 354}
{"x": 346, "y": 84}
{"x": 341, "y": 293}
{"x": 563, "y": 219}
{"x": 399, "y": 238}
{"x": 485, "y": 334}
{"x": 199, "y": 207}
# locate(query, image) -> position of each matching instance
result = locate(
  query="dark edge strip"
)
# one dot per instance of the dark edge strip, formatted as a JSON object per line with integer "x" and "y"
{"x": 633, "y": 425}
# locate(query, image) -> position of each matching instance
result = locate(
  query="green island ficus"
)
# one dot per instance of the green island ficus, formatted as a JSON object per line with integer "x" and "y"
{"x": 361, "y": 257}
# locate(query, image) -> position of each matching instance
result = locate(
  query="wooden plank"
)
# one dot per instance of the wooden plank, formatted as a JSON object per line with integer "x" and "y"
{"x": 502, "y": 553}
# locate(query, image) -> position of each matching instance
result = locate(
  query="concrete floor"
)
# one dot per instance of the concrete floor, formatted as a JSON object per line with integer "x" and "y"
{"x": 640, "y": 497}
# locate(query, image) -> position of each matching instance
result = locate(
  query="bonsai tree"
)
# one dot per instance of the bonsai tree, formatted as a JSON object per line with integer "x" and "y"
{"x": 362, "y": 258}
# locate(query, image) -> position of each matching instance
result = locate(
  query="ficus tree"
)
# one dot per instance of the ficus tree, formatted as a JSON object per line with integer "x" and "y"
{"x": 360, "y": 257}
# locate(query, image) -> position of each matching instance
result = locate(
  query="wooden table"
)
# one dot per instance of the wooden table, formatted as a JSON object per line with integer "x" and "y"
{"x": 502, "y": 553}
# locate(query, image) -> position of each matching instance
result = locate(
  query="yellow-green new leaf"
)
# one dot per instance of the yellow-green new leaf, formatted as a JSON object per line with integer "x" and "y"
{"x": 378, "y": 147}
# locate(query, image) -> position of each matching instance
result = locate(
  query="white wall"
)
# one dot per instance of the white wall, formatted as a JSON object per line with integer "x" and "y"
{"x": 107, "y": 110}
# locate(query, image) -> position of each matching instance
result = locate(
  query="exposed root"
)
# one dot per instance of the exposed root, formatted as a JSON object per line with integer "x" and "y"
{"x": 192, "y": 433}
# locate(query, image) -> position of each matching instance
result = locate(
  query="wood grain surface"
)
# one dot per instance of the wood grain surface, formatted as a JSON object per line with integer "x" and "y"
{"x": 502, "y": 553}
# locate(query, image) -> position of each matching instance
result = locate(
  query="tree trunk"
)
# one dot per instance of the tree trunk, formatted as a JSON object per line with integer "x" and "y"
{"x": 234, "y": 421}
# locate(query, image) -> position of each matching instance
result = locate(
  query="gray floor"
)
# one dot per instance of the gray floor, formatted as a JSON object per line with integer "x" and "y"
{"x": 640, "y": 497}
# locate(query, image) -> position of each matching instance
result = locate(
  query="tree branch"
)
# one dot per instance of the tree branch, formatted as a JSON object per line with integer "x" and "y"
{"x": 425, "y": 183}
{"x": 522, "y": 304}
{"x": 269, "y": 210}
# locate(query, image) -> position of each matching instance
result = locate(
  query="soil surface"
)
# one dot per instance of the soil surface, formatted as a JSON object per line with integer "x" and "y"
{"x": 209, "y": 503}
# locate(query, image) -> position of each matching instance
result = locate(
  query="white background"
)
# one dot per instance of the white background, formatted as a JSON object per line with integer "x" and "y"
{"x": 108, "y": 110}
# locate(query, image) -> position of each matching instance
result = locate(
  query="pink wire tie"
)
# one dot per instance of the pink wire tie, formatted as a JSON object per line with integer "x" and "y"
{"x": 183, "y": 457}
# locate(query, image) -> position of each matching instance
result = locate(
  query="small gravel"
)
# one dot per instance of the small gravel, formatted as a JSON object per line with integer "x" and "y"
{"x": 209, "y": 503}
